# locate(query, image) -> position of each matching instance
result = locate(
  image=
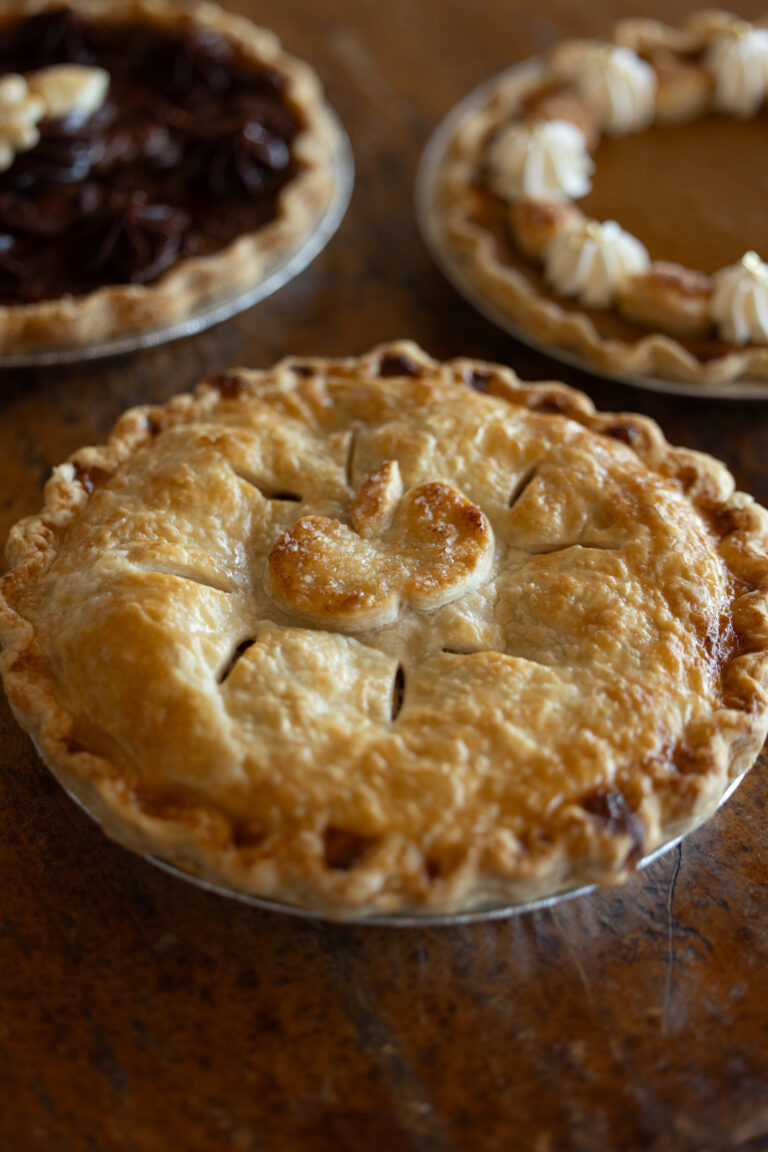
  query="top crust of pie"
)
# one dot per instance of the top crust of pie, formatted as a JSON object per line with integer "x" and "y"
{"x": 358, "y": 635}
{"x": 120, "y": 309}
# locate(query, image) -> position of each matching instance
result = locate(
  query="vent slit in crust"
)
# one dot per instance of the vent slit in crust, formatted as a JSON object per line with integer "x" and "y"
{"x": 239, "y": 651}
{"x": 267, "y": 493}
{"x": 186, "y": 574}
{"x": 526, "y": 479}
{"x": 398, "y": 692}
{"x": 354, "y": 433}
{"x": 548, "y": 549}
{"x": 464, "y": 651}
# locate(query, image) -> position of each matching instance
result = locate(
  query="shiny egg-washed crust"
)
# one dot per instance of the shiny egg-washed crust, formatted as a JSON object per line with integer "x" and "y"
{"x": 123, "y": 309}
{"x": 459, "y": 198}
{"x": 384, "y": 634}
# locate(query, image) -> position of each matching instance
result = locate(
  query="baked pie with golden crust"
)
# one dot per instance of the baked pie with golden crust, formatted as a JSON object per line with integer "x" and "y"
{"x": 387, "y": 634}
{"x": 154, "y": 157}
{"x": 609, "y": 199}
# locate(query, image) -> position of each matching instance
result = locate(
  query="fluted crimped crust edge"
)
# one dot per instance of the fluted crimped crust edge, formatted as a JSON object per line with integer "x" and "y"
{"x": 114, "y": 311}
{"x": 726, "y": 743}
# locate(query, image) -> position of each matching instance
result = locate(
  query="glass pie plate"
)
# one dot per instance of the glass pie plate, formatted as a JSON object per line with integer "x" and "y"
{"x": 427, "y": 183}
{"x": 490, "y": 911}
{"x": 221, "y": 307}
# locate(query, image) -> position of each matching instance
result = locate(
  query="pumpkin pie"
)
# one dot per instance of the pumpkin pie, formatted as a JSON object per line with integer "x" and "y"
{"x": 388, "y": 635}
{"x": 609, "y": 199}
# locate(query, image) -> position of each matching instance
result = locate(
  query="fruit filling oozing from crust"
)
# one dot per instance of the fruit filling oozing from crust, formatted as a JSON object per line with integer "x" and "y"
{"x": 190, "y": 149}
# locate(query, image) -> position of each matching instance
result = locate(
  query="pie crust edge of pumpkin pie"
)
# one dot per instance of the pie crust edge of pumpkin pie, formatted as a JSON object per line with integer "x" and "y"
{"x": 604, "y": 848}
{"x": 473, "y": 247}
{"x": 114, "y": 310}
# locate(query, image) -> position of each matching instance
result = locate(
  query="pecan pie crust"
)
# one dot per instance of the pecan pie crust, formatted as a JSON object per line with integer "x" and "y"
{"x": 116, "y": 308}
{"x": 658, "y": 325}
{"x": 386, "y": 634}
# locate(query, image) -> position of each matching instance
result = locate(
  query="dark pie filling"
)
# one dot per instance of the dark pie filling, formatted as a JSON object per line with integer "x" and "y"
{"x": 190, "y": 151}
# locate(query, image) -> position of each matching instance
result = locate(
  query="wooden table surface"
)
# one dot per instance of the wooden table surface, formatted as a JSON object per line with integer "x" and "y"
{"x": 139, "y": 1014}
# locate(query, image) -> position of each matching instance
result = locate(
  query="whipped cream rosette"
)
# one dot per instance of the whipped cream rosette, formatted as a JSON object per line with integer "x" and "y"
{"x": 541, "y": 161}
{"x": 739, "y": 61}
{"x": 619, "y": 86}
{"x": 739, "y": 303}
{"x": 592, "y": 261}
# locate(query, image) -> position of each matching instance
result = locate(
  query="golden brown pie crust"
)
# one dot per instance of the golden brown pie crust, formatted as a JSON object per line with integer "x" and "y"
{"x": 499, "y": 249}
{"x": 387, "y": 634}
{"x": 120, "y": 310}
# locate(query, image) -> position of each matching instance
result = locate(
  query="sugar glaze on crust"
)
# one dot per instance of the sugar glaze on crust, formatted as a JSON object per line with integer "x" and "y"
{"x": 385, "y": 634}
{"x": 116, "y": 310}
{"x": 668, "y": 301}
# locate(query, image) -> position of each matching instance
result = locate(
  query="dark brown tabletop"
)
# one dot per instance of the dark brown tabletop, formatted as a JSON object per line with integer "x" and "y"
{"x": 140, "y": 1014}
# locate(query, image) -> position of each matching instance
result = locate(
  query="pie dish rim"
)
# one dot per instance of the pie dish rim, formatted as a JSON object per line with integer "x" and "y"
{"x": 401, "y": 918}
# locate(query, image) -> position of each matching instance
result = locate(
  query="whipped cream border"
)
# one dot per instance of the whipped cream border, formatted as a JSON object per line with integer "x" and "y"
{"x": 575, "y": 73}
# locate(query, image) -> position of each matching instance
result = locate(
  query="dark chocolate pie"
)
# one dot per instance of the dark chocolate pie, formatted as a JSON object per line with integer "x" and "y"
{"x": 152, "y": 157}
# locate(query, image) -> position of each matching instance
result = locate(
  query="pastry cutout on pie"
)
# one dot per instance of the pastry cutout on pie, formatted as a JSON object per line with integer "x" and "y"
{"x": 388, "y": 634}
{"x": 154, "y": 158}
{"x": 591, "y": 198}
{"x": 438, "y": 546}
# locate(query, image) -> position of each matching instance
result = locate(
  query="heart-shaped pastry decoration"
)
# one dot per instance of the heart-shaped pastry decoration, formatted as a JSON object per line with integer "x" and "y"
{"x": 421, "y": 550}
